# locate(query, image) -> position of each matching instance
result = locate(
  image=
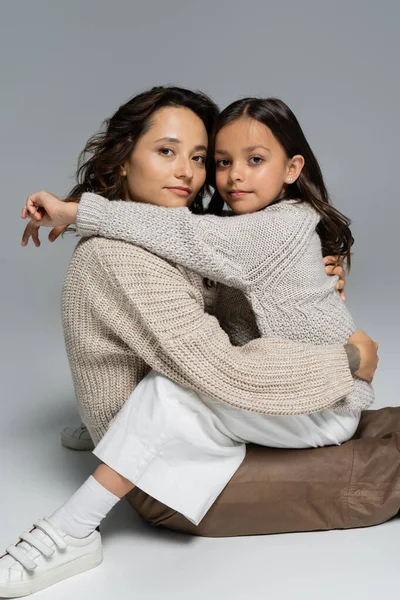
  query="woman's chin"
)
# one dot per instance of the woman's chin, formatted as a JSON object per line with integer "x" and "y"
{"x": 171, "y": 202}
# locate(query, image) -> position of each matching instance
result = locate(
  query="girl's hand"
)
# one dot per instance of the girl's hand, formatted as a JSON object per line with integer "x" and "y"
{"x": 47, "y": 210}
{"x": 334, "y": 266}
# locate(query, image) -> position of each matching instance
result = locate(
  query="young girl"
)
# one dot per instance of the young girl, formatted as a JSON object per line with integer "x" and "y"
{"x": 180, "y": 446}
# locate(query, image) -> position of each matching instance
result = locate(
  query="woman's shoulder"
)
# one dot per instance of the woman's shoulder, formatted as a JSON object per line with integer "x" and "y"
{"x": 118, "y": 254}
{"x": 98, "y": 261}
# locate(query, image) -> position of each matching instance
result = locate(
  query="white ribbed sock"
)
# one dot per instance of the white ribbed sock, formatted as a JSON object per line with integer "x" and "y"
{"x": 82, "y": 513}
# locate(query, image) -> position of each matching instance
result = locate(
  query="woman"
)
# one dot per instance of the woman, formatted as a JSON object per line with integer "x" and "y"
{"x": 125, "y": 311}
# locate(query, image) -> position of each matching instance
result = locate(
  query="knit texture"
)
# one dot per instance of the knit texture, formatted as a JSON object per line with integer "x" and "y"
{"x": 274, "y": 256}
{"x": 126, "y": 310}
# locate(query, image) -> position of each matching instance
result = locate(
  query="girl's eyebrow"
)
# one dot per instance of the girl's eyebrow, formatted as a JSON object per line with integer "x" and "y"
{"x": 176, "y": 141}
{"x": 249, "y": 149}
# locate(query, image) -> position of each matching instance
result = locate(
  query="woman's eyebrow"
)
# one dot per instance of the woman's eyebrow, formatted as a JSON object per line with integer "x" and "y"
{"x": 176, "y": 141}
{"x": 169, "y": 139}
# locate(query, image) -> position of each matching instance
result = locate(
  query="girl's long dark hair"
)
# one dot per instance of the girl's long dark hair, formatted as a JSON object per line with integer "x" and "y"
{"x": 99, "y": 163}
{"x": 334, "y": 228}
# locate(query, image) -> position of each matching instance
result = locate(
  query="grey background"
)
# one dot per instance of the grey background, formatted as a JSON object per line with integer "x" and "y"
{"x": 65, "y": 66}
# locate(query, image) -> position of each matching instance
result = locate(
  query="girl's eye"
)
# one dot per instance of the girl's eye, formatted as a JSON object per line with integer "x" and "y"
{"x": 257, "y": 160}
{"x": 165, "y": 151}
{"x": 224, "y": 162}
{"x": 200, "y": 159}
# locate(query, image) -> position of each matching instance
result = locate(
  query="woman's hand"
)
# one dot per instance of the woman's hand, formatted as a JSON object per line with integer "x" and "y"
{"x": 367, "y": 355}
{"x": 47, "y": 210}
{"x": 334, "y": 266}
{"x": 32, "y": 231}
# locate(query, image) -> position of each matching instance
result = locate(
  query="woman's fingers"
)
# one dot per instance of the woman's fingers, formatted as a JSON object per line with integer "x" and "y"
{"x": 340, "y": 285}
{"x": 31, "y": 231}
{"x": 25, "y": 236}
{"x": 332, "y": 260}
{"x": 332, "y": 270}
{"x": 334, "y": 266}
{"x": 35, "y": 237}
{"x": 56, "y": 232}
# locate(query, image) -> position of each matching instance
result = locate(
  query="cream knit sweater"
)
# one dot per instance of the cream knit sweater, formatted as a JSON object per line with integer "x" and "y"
{"x": 274, "y": 256}
{"x": 126, "y": 310}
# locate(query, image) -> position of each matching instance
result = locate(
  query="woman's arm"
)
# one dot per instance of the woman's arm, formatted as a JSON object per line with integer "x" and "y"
{"x": 151, "y": 307}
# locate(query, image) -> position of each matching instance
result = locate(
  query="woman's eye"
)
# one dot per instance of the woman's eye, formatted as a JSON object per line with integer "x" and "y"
{"x": 256, "y": 160}
{"x": 166, "y": 151}
{"x": 222, "y": 163}
{"x": 200, "y": 159}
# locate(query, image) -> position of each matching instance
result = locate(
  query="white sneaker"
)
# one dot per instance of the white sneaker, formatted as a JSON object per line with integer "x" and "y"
{"x": 45, "y": 556}
{"x": 76, "y": 439}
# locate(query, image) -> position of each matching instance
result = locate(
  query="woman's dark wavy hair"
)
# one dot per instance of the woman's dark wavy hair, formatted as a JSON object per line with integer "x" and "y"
{"x": 334, "y": 228}
{"x": 99, "y": 162}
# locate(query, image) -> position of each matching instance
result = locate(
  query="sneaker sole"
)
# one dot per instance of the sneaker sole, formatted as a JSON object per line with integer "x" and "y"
{"x": 79, "y": 565}
{"x": 75, "y": 443}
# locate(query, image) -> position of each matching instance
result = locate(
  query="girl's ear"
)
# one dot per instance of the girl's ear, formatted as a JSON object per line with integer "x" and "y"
{"x": 122, "y": 171}
{"x": 295, "y": 167}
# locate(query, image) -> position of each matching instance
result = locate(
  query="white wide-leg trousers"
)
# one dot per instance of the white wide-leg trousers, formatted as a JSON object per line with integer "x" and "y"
{"x": 182, "y": 447}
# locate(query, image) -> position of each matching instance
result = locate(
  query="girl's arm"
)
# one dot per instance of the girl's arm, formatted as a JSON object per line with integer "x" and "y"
{"x": 220, "y": 248}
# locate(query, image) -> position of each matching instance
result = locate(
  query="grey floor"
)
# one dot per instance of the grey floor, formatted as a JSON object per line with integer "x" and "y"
{"x": 37, "y": 474}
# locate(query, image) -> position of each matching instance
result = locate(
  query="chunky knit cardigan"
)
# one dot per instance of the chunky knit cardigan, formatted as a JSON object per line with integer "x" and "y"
{"x": 126, "y": 310}
{"x": 274, "y": 256}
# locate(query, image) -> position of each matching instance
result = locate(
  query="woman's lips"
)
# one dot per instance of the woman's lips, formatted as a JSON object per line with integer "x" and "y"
{"x": 181, "y": 191}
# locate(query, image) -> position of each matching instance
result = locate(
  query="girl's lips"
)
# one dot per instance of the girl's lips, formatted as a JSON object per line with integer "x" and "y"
{"x": 179, "y": 191}
{"x": 238, "y": 193}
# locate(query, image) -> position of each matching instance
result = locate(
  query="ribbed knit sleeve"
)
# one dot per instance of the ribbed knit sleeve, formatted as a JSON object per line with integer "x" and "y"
{"x": 226, "y": 249}
{"x": 151, "y": 308}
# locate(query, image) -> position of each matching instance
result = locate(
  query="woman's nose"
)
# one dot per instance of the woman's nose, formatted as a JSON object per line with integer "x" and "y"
{"x": 184, "y": 169}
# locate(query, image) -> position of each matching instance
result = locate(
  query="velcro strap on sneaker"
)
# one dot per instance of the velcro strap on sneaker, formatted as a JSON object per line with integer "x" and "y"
{"x": 45, "y": 526}
{"x": 22, "y": 558}
{"x": 36, "y": 543}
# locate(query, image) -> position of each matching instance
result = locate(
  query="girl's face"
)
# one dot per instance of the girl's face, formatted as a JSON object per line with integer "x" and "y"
{"x": 252, "y": 168}
{"x": 167, "y": 166}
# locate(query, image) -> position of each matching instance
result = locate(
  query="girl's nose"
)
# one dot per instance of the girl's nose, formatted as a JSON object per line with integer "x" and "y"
{"x": 236, "y": 173}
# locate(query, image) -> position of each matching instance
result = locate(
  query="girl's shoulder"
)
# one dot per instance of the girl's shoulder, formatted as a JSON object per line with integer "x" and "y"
{"x": 294, "y": 210}
{"x": 285, "y": 216}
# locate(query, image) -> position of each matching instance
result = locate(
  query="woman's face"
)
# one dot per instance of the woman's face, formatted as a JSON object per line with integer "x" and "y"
{"x": 167, "y": 166}
{"x": 252, "y": 168}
